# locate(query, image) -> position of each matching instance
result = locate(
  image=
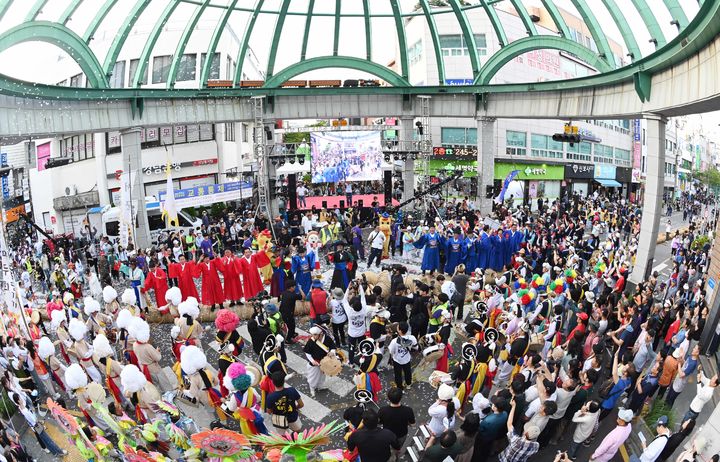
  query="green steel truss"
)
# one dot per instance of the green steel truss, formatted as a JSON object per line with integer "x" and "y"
{"x": 465, "y": 15}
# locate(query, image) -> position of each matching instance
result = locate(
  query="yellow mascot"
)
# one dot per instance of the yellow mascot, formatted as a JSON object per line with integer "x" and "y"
{"x": 385, "y": 222}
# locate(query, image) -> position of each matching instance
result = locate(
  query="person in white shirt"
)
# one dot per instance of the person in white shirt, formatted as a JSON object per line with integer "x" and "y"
{"x": 306, "y": 222}
{"x": 399, "y": 349}
{"x": 356, "y": 313}
{"x": 705, "y": 389}
{"x": 652, "y": 451}
{"x": 301, "y": 193}
{"x": 585, "y": 418}
{"x": 442, "y": 411}
{"x": 377, "y": 242}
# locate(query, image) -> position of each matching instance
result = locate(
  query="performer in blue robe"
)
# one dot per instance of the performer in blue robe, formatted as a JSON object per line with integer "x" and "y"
{"x": 302, "y": 266}
{"x": 484, "y": 249}
{"x": 455, "y": 252}
{"x": 496, "y": 253}
{"x": 507, "y": 247}
{"x": 473, "y": 247}
{"x": 431, "y": 242}
{"x": 518, "y": 237}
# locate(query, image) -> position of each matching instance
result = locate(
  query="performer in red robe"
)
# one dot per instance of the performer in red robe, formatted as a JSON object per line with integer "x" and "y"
{"x": 156, "y": 280}
{"x": 212, "y": 290}
{"x": 231, "y": 273}
{"x": 252, "y": 285}
{"x": 184, "y": 272}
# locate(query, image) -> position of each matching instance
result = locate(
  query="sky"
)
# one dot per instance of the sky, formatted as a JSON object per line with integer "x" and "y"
{"x": 35, "y": 61}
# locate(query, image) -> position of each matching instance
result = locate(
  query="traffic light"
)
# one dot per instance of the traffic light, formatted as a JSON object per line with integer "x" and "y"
{"x": 572, "y": 135}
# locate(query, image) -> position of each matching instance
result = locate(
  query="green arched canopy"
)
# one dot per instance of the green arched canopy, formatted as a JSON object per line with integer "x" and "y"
{"x": 63, "y": 38}
{"x": 343, "y": 62}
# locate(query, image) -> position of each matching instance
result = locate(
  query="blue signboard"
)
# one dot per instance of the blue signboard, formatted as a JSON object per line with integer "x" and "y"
{"x": 711, "y": 284}
{"x": 208, "y": 190}
{"x": 5, "y": 179}
{"x": 636, "y": 130}
{"x": 455, "y": 82}
{"x": 605, "y": 171}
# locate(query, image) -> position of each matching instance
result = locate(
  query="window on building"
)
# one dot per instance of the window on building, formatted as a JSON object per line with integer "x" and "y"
{"x": 458, "y": 136}
{"x": 133, "y": 69}
{"x": 244, "y": 133}
{"x": 117, "y": 79}
{"x": 544, "y": 146}
{"x": 230, "y": 68}
{"x": 622, "y": 157}
{"x": 579, "y": 151}
{"x": 76, "y": 80}
{"x": 64, "y": 83}
{"x": 230, "y": 131}
{"x": 415, "y": 52}
{"x": 161, "y": 68}
{"x": 603, "y": 154}
{"x": 188, "y": 68}
{"x": 516, "y": 143}
{"x": 79, "y": 147}
{"x": 455, "y": 45}
{"x": 214, "y": 66}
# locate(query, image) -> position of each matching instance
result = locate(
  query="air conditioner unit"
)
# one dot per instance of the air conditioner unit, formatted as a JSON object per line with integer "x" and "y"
{"x": 71, "y": 190}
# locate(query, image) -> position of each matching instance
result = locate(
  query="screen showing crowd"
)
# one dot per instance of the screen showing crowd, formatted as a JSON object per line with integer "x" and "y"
{"x": 346, "y": 156}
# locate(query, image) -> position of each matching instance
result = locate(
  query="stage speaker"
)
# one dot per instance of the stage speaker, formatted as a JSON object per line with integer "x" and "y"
{"x": 387, "y": 184}
{"x": 342, "y": 204}
{"x": 489, "y": 192}
{"x": 324, "y": 205}
{"x": 292, "y": 192}
{"x": 359, "y": 203}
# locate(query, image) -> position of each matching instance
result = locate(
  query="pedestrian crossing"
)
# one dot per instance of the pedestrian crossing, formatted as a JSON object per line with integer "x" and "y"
{"x": 313, "y": 409}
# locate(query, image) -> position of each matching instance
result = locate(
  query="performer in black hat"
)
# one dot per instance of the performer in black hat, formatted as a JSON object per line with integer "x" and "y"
{"x": 343, "y": 261}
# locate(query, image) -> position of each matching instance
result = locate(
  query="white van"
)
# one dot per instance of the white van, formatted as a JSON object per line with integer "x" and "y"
{"x": 111, "y": 220}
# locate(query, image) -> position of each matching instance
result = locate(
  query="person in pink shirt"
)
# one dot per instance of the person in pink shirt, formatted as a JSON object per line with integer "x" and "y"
{"x": 612, "y": 442}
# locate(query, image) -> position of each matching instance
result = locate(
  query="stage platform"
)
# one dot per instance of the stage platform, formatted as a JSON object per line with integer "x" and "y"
{"x": 333, "y": 202}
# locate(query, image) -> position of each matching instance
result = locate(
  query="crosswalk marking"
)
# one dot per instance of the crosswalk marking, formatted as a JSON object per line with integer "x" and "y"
{"x": 297, "y": 363}
{"x": 660, "y": 267}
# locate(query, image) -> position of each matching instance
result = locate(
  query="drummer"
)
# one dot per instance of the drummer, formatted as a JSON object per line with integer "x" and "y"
{"x": 316, "y": 349}
{"x": 367, "y": 378}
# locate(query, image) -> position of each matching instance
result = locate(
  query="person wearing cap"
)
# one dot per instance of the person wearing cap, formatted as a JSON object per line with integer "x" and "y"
{"x": 288, "y": 301}
{"x": 651, "y": 452}
{"x": 399, "y": 350}
{"x": 670, "y": 369}
{"x": 301, "y": 267}
{"x": 319, "y": 303}
{"x": 685, "y": 372}
{"x": 521, "y": 448}
{"x": 442, "y": 412}
{"x": 137, "y": 279}
{"x": 613, "y": 440}
{"x": 342, "y": 261}
{"x": 338, "y": 317}
{"x": 317, "y": 347}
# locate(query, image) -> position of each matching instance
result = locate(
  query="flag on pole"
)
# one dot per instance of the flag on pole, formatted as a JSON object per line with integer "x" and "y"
{"x": 511, "y": 176}
{"x": 169, "y": 206}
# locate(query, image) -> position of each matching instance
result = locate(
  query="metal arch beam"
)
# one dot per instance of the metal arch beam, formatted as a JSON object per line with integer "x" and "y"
{"x": 650, "y": 22}
{"x": 4, "y": 5}
{"x": 98, "y": 19}
{"x": 677, "y": 12}
{"x": 182, "y": 43}
{"x": 246, "y": 41}
{"x": 402, "y": 39}
{"x": 436, "y": 42}
{"x": 35, "y": 10}
{"x": 122, "y": 34}
{"x": 67, "y": 14}
{"x": 557, "y": 18}
{"x": 62, "y": 37}
{"x": 214, "y": 40}
{"x": 524, "y": 45}
{"x": 306, "y": 34}
{"x": 336, "y": 31}
{"x": 595, "y": 30}
{"x": 625, "y": 30}
{"x": 276, "y": 39}
{"x": 368, "y": 29}
{"x": 344, "y": 62}
{"x": 495, "y": 21}
{"x": 524, "y": 17}
{"x": 152, "y": 39}
{"x": 468, "y": 34}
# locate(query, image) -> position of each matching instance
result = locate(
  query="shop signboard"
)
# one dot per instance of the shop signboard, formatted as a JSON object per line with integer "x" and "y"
{"x": 636, "y": 175}
{"x": 575, "y": 170}
{"x": 455, "y": 152}
{"x": 210, "y": 194}
{"x": 623, "y": 174}
{"x": 605, "y": 171}
{"x": 531, "y": 171}
{"x": 637, "y": 144}
{"x": 456, "y": 82}
{"x": 438, "y": 166}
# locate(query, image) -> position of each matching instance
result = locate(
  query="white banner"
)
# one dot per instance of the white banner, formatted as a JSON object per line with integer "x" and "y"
{"x": 125, "y": 209}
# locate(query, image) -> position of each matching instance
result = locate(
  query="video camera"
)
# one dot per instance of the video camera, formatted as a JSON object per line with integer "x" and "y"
{"x": 394, "y": 267}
